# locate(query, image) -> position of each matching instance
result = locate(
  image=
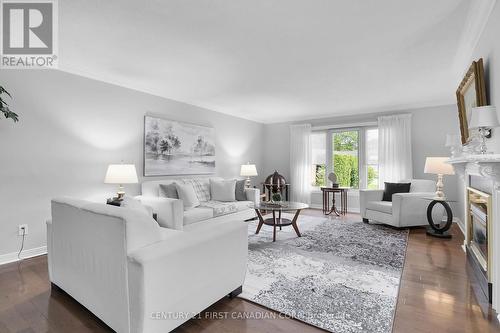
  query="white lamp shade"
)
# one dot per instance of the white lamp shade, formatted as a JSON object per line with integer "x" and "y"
{"x": 121, "y": 174}
{"x": 248, "y": 170}
{"x": 437, "y": 165}
{"x": 484, "y": 116}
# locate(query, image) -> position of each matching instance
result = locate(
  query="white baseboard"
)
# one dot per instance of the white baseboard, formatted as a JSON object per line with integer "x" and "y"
{"x": 459, "y": 223}
{"x": 29, "y": 253}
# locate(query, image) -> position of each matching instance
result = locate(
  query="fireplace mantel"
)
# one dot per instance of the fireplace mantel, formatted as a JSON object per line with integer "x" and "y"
{"x": 487, "y": 166}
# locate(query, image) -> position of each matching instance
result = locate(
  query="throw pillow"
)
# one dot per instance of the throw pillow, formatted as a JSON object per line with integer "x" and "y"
{"x": 392, "y": 188}
{"x": 187, "y": 195}
{"x": 201, "y": 188}
{"x": 223, "y": 190}
{"x": 240, "y": 190}
{"x": 168, "y": 191}
{"x": 132, "y": 203}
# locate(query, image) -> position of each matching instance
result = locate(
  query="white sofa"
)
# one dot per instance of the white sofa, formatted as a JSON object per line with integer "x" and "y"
{"x": 405, "y": 210}
{"x": 172, "y": 210}
{"x": 136, "y": 276}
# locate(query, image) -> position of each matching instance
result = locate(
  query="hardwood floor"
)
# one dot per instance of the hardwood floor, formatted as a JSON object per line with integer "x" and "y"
{"x": 435, "y": 296}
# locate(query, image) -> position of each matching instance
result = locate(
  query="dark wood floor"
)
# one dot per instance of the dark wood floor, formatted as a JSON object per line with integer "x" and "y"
{"x": 435, "y": 296}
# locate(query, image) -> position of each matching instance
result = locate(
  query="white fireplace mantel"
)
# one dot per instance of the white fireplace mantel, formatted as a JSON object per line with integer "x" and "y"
{"x": 487, "y": 166}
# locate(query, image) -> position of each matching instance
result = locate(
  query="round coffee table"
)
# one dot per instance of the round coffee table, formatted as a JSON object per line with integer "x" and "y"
{"x": 277, "y": 220}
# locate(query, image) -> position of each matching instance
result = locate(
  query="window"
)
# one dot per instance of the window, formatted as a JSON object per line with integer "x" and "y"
{"x": 351, "y": 153}
{"x": 345, "y": 157}
{"x": 371, "y": 149}
{"x": 318, "y": 169}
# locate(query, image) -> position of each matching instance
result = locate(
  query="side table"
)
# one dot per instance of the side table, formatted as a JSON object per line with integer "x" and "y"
{"x": 438, "y": 229}
{"x": 326, "y": 200}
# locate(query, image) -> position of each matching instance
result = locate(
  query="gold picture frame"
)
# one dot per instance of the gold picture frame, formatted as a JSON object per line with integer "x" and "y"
{"x": 470, "y": 93}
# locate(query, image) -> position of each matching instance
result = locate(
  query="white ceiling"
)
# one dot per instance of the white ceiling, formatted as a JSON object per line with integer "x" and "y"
{"x": 272, "y": 60}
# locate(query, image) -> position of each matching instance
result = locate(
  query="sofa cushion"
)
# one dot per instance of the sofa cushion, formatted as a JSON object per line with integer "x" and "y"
{"x": 169, "y": 191}
{"x": 240, "y": 190}
{"x": 220, "y": 208}
{"x": 392, "y": 188}
{"x": 187, "y": 195}
{"x": 197, "y": 214}
{"x": 243, "y": 205}
{"x": 380, "y": 206}
{"x": 223, "y": 190}
{"x": 201, "y": 188}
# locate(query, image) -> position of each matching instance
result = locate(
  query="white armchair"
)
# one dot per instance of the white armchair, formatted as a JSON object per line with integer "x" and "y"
{"x": 405, "y": 210}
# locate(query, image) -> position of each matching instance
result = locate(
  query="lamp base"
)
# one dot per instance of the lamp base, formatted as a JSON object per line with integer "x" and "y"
{"x": 483, "y": 134}
{"x": 439, "y": 188}
{"x": 121, "y": 192}
{"x": 247, "y": 182}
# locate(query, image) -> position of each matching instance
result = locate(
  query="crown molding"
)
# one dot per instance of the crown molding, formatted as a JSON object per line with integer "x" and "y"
{"x": 477, "y": 18}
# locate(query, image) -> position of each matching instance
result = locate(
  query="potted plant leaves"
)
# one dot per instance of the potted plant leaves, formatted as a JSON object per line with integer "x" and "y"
{"x": 4, "y": 107}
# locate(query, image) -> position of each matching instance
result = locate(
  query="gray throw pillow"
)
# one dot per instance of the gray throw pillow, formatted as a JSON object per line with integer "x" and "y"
{"x": 240, "y": 190}
{"x": 169, "y": 191}
{"x": 223, "y": 190}
{"x": 187, "y": 195}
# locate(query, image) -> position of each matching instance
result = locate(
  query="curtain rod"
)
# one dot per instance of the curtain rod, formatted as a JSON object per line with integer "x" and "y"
{"x": 350, "y": 125}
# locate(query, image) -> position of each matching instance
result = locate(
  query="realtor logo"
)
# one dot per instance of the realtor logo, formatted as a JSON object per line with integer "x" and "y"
{"x": 29, "y": 34}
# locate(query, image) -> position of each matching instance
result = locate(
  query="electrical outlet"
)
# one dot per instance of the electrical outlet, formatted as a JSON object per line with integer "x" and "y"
{"x": 22, "y": 229}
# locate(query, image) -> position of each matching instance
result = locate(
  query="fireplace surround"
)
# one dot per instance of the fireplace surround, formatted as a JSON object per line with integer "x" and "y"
{"x": 480, "y": 175}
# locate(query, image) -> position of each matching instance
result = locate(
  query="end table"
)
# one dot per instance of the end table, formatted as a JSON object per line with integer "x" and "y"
{"x": 438, "y": 229}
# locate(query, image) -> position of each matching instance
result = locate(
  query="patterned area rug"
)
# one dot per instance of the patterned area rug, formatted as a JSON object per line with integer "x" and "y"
{"x": 342, "y": 276}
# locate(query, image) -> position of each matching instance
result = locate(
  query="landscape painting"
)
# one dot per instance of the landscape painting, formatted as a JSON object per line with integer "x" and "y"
{"x": 177, "y": 148}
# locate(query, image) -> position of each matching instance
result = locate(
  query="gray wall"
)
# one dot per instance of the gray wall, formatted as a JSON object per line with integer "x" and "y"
{"x": 429, "y": 129}
{"x": 71, "y": 128}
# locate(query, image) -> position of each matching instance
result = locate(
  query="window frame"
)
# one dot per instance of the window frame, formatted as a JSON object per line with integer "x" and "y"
{"x": 362, "y": 166}
{"x": 365, "y": 162}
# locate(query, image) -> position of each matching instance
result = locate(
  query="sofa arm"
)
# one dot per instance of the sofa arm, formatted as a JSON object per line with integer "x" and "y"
{"x": 49, "y": 247}
{"x": 410, "y": 209}
{"x": 253, "y": 195}
{"x": 170, "y": 212}
{"x": 366, "y": 196}
{"x": 185, "y": 274}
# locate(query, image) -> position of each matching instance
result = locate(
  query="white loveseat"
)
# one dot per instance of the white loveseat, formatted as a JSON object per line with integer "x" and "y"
{"x": 136, "y": 276}
{"x": 172, "y": 210}
{"x": 405, "y": 210}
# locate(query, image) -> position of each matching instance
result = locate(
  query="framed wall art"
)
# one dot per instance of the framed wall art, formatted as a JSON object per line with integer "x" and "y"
{"x": 177, "y": 148}
{"x": 470, "y": 93}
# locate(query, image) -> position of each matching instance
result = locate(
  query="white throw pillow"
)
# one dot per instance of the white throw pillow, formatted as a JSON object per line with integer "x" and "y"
{"x": 187, "y": 195}
{"x": 223, "y": 190}
{"x": 132, "y": 203}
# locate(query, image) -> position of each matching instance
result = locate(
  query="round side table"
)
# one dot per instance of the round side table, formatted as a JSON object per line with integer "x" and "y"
{"x": 438, "y": 229}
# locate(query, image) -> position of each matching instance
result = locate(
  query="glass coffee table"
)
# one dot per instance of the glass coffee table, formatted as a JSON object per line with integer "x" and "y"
{"x": 277, "y": 220}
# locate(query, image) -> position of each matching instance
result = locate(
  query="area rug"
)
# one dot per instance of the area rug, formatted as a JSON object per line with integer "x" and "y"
{"x": 341, "y": 276}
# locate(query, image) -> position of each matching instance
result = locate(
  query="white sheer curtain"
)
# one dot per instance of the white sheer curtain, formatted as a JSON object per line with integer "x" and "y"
{"x": 394, "y": 148}
{"x": 300, "y": 163}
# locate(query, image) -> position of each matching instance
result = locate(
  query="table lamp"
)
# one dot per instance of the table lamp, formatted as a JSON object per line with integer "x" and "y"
{"x": 121, "y": 174}
{"x": 248, "y": 170}
{"x": 484, "y": 118}
{"x": 437, "y": 166}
